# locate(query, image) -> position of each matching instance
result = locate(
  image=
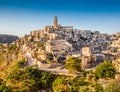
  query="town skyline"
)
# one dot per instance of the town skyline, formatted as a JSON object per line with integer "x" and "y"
{"x": 21, "y": 17}
{"x": 63, "y": 46}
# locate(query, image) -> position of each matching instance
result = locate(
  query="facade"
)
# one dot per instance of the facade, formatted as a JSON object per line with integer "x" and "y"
{"x": 67, "y": 28}
{"x": 86, "y": 51}
{"x": 86, "y": 57}
{"x": 35, "y": 32}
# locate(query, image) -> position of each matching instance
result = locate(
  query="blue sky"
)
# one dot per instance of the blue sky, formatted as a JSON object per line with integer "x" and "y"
{"x": 19, "y": 17}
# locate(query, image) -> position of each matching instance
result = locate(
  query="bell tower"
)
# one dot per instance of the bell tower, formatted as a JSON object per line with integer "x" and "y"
{"x": 55, "y": 22}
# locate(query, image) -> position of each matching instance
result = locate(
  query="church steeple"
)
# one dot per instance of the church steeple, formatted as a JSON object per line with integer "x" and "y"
{"x": 55, "y": 22}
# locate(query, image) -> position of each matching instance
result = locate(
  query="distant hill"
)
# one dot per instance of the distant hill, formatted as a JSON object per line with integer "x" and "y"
{"x": 7, "y": 38}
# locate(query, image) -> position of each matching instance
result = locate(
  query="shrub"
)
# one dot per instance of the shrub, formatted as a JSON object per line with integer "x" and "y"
{"x": 99, "y": 88}
{"x": 113, "y": 86}
{"x": 59, "y": 85}
{"x": 105, "y": 70}
{"x": 4, "y": 88}
{"x": 73, "y": 64}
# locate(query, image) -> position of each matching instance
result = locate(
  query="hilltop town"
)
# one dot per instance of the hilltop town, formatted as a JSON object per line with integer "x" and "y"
{"x": 55, "y": 43}
{"x": 52, "y": 50}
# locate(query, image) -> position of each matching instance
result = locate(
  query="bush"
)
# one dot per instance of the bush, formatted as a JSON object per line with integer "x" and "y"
{"x": 114, "y": 86}
{"x": 73, "y": 64}
{"x": 13, "y": 48}
{"x": 78, "y": 83}
{"x": 105, "y": 70}
{"x": 21, "y": 63}
{"x": 99, "y": 88}
{"x": 41, "y": 44}
{"x": 4, "y": 88}
{"x": 60, "y": 85}
{"x": 30, "y": 79}
{"x": 50, "y": 61}
{"x": 85, "y": 89}
{"x": 1, "y": 81}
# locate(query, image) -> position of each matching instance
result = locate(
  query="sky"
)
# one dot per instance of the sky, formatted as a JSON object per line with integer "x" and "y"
{"x": 19, "y": 17}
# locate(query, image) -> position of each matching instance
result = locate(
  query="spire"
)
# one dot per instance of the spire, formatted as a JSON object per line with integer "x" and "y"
{"x": 55, "y": 21}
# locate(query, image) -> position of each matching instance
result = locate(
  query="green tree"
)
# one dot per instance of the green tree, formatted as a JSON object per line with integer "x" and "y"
{"x": 4, "y": 88}
{"x": 85, "y": 89}
{"x": 73, "y": 64}
{"x": 114, "y": 86}
{"x": 105, "y": 70}
{"x": 78, "y": 83}
{"x": 60, "y": 85}
{"x": 30, "y": 79}
{"x": 99, "y": 88}
{"x": 13, "y": 47}
{"x": 46, "y": 79}
{"x": 21, "y": 63}
{"x": 41, "y": 44}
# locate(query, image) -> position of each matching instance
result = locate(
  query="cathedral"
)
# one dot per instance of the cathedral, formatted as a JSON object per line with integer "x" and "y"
{"x": 57, "y": 26}
{"x": 52, "y": 28}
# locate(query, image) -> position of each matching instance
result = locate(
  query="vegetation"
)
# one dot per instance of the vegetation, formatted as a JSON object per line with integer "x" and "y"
{"x": 1, "y": 46}
{"x": 60, "y": 85}
{"x": 73, "y": 64}
{"x": 4, "y": 88}
{"x": 21, "y": 63}
{"x": 73, "y": 84}
{"x": 16, "y": 76}
{"x": 105, "y": 70}
{"x": 78, "y": 83}
{"x": 41, "y": 44}
{"x": 29, "y": 79}
{"x": 99, "y": 88}
{"x": 13, "y": 48}
{"x": 83, "y": 38}
{"x": 114, "y": 86}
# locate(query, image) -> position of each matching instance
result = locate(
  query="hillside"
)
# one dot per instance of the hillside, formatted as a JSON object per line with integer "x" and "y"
{"x": 7, "y": 38}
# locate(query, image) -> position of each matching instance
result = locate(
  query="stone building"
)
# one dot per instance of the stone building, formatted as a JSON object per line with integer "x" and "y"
{"x": 86, "y": 51}
{"x": 67, "y": 28}
{"x": 52, "y": 36}
{"x": 86, "y": 57}
{"x": 56, "y": 26}
{"x": 35, "y": 32}
{"x": 58, "y": 48}
{"x": 49, "y": 28}
{"x": 56, "y": 23}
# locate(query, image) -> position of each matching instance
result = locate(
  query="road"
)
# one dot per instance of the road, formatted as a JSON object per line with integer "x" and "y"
{"x": 32, "y": 62}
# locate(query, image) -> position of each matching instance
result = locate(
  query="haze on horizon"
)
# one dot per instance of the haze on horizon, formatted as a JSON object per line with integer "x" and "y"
{"x": 19, "y": 17}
